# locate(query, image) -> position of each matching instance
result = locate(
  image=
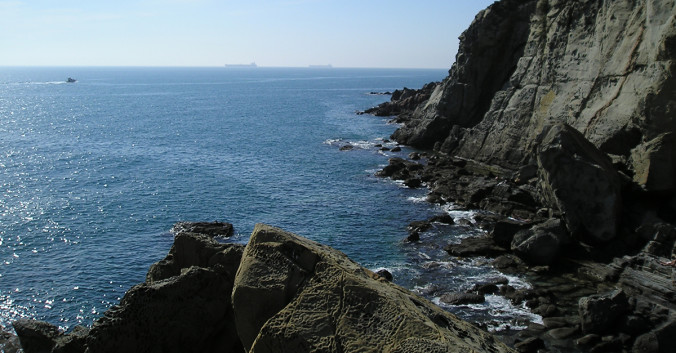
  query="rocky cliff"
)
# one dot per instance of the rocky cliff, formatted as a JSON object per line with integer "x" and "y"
{"x": 559, "y": 118}
{"x": 605, "y": 68}
{"x": 280, "y": 293}
{"x": 576, "y": 98}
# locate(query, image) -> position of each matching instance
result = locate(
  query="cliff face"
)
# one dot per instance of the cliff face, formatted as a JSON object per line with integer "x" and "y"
{"x": 605, "y": 68}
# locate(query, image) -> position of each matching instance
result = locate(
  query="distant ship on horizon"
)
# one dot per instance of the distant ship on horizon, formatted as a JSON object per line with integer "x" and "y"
{"x": 253, "y": 64}
{"x": 328, "y": 66}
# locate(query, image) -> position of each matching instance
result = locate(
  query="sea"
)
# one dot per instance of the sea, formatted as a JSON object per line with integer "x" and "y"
{"x": 93, "y": 174}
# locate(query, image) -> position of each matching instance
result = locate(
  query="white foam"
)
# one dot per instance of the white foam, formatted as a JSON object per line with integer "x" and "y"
{"x": 332, "y": 141}
{"x": 457, "y": 213}
{"x": 418, "y": 199}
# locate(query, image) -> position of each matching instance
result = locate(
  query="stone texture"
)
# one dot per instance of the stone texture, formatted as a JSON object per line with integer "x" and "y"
{"x": 184, "y": 307}
{"x": 36, "y": 336}
{"x": 213, "y": 229}
{"x": 541, "y": 244}
{"x": 603, "y": 67}
{"x": 598, "y": 313}
{"x": 460, "y": 298}
{"x": 580, "y": 182}
{"x": 295, "y": 295}
{"x": 654, "y": 164}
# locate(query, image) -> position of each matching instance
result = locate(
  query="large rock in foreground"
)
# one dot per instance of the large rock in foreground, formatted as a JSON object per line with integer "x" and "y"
{"x": 294, "y": 295}
{"x": 282, "y": 293}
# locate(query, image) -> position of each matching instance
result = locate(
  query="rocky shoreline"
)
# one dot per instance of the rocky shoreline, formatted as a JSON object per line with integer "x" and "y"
{"x": 280, "y": 293}
{"x": 557, "y": 119}
{"x": 524, "y": 238}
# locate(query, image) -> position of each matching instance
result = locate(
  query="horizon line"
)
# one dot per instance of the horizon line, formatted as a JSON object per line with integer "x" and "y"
{"x": 222, "y": 66}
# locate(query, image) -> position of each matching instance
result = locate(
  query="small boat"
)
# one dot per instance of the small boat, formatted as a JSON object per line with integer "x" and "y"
{"x": 71, "y": 80}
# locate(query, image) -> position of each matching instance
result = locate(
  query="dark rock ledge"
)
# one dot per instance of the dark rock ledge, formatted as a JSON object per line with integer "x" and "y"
{"x": 280, "y": 293}
{"x": 557, "y": 120}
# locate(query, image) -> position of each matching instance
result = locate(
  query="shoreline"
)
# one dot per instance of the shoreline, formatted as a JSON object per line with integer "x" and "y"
{"x": 562, "y": 128}
{"x": 560, "y": 286}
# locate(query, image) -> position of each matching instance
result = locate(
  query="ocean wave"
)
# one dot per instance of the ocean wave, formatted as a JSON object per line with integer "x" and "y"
{"x": 381, "y": 145}
{"x": 418, "y": 199}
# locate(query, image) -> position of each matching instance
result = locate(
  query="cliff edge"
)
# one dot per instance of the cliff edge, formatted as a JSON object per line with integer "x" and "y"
{"x": 605, "y": 68}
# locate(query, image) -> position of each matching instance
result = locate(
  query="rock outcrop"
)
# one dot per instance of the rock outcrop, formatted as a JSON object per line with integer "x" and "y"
{"x": 293, "y": 293}
{"x": 606, "y": 68}
{"x": 282, "y": 293}
{"x": 561, "y": 116}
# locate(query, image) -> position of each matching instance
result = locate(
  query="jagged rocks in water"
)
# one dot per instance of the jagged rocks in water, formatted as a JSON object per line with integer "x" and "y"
{"x": 295, "y": 295}
{"x": 36, "y": 336}
{"x": 282, "y": 293}
{"x": 184, "y": 306}
{"x": 213, "y": 229}
{"x": 475, "y": 246}
{"x": 403, "y": 100}
{"x": 460, "y": 298}
{"x": 385, "y": 274}
{"x": 9, "y": 343}
{"x": 399, "y": 169}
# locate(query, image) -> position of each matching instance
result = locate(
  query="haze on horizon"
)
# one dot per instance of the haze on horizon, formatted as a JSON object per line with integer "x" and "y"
{"x": 343, "y": 33}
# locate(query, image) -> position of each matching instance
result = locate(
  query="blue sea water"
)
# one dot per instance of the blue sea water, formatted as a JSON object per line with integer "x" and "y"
{"x": 93, "y": 174}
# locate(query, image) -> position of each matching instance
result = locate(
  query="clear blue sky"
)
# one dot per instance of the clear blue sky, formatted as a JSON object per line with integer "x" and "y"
{"x": 344, "y": 33}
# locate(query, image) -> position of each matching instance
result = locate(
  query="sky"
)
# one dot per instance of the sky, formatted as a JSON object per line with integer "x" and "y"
{"x": 296, "y": 33}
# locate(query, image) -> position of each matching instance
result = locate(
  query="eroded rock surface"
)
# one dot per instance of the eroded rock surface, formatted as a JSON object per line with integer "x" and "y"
{"x": 282, "y": 293}
{"x": 294, "y": 295}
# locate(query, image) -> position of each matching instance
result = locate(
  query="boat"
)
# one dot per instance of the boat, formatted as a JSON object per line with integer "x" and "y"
{"x": 252, "y": 65}
{"x": 71, "y": 80}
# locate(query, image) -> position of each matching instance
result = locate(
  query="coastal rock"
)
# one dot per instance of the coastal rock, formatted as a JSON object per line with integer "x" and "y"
{"x": 444, "y": 218}
{"x": 504, "y": 230}
{"x": 653, "y": 163}
{"x": 294, "y": 295}
{"x": 599, "y": 314}
{"x": 661, "y": 340}
{"x": 213, "y": 229}
{"x": 460, "y": 298}
{"x": 603, "y": 67}
{"x": 403, "y": 100}
{"x": 580, "y": 182}
{"x": 36, "y": 336}
{"x": 385, "y": 274}
{"x": 565, "y": 110}
{"x": 194, "y": 249}
{"x": 541, "y": 244}
{"x": 475, "y": 246}
{"x": 184, "y": 306}
{"x": 530, "y": 345}
{"x": 9, "y": 343}
{"x": 400, "y": 169}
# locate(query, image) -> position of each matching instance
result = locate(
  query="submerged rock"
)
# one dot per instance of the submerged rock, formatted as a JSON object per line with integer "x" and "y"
{"x": 460, "y": 298}
{"x": 213, "y": 229}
